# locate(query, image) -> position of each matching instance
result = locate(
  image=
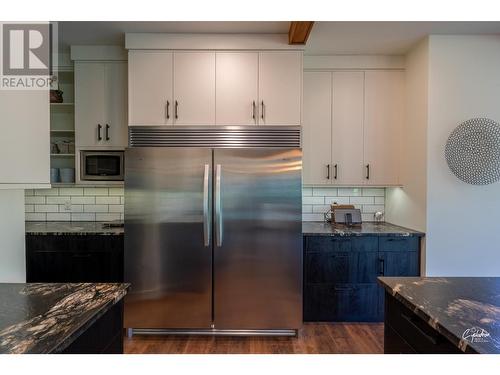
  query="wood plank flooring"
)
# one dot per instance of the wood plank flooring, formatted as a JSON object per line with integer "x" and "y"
{"x": 313, "y": 338}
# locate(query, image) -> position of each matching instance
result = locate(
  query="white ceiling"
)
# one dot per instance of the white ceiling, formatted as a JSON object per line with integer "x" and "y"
{"x": 327, "y": 38}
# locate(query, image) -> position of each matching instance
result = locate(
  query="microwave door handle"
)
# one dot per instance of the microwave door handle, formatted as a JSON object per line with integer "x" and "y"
{"x": 206, "y": 219}
{"x": 218, "y": 209}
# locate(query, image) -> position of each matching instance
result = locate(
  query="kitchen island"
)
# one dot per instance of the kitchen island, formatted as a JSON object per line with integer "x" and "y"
{"x": 61, "y": 318}
{"x": 442, "y": 315}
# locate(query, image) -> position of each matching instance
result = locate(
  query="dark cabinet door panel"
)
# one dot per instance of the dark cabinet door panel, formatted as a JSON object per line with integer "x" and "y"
{"x": 341, "y": 267}
{"x": 341, "y": 302}
{"x": 398, "y": 244}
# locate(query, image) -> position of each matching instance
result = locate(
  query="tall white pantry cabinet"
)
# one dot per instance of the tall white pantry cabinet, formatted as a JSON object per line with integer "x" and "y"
{"x": 352, "y": 123}
{"x": 215, "y": 87}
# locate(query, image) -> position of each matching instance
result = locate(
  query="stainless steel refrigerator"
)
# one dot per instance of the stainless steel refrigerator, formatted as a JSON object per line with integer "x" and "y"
{"x": 213, "y": 240}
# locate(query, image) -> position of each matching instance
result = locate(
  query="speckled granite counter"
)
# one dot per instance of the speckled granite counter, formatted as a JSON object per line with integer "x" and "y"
{"x": 47, "y": 318}
{"x": 71, "y": 227}
{"x": 315, "y": 228}
{"x": 466, "y": 310}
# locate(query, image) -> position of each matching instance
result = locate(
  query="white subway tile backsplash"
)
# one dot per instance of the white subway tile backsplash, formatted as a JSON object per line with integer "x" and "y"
{"x": 70, "y": 191}
{"x": 58, "y": 217}
{"x": 313, "y": 200}
{"x": 324, "y": 191}
{"x": 374, "y": 192}
{"x": 116, "y": 191}
{"x": 45, "y": 192}
{"x": 83, "y": 217}
{"x": 71, "y": 208}
{"x": 307, "y": 191}
{"x": 316, "y": 201}
{"x": 46, "y": 208}
{"x": 29, "y": 192}
{"x": 34, "y": 200}
{"x": 349, "y": 192}
{"x": 107, "y": 217}
{"x": 107, "y": 200}
{"x": 95, "y": 191}
{"x": 36, "y": 217}
{"x": 122, "y": 200}
{"x": 118, "y": 208}
{"x": 336, "y": 200}
{"x": 57, "y": 200}
{"x": 95, "y": 208}
{"x": 29, "y": 208}
{"x": 83, "y": 200}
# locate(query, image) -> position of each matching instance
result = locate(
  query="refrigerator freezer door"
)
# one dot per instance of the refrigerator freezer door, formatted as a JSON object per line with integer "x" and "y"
{"x": 258, "y": 235}
{"x": 168, "y": 252}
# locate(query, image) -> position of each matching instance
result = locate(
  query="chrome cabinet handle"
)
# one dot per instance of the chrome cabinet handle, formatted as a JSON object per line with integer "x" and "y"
{"x": 206, "y": 226}
{"x": 107, "y": 132}
{"x": 335, "y": 167}
{"x": 176, "y": 110}
{"x": 367, "y": 171}
{"x": 262, "y": 110}
{"x": 218, "y": 209}
{"x": 99, "y": 137}
{"x": 253, "y": 110}
{"x": 167, "y": 110}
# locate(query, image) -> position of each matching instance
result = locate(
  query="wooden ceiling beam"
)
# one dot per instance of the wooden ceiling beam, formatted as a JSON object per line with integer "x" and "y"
{"x": 299, "y": 31}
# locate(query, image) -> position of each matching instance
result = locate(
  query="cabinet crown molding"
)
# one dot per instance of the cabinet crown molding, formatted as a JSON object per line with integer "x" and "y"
{"x": 98, "y": 53}
{"x": 179, "y": 41}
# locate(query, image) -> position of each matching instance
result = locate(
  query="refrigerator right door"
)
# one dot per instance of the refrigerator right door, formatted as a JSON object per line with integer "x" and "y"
{"x": 257, "y": 239}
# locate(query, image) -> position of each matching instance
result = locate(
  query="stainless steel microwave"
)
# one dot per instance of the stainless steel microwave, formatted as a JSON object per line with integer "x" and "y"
{"x": 101, "y": 165}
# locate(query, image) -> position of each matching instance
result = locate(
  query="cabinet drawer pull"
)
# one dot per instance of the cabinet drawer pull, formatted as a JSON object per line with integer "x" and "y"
{"x": 253, "y": 110}
{"x": 410, "y": 320}
{"x": 262, "y": 110}
{"x": 167, "y": 110}
{"x": 335, "y": 171}
{"x": 328, "y": 171}
{"x": 381, "y": 267}
{"x": 107, "y": 132}
{"x": 99, "y": 137}
{"x": 367, "y": 171}
{"x": 176, "y": 110}
{"x": 343, "y": 288}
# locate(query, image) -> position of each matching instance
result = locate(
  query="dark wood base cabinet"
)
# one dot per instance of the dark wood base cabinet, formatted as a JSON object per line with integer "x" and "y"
{"x": 407, "y": 333}
{"x": 340, "y": 274}
{"x": 104, "y": 336}
{"x": 74, "y": 258}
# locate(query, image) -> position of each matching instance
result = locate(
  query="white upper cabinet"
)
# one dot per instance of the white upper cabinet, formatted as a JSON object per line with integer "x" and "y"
{"x": 383, "y": 117}
{"x": 194, "y": 88}
{"x": 317, "y": 128}
{"x": 101, "y": 104}
{"x": 150, "y": 88}
{"x": 280, "y": 87}
{"x": 347, "y": 128}
{"x": 237, "y": 88}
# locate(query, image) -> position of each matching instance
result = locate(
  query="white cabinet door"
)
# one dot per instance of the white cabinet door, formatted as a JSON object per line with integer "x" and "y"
{"x": 347, "y": 128}
{"x": 90, "y": 102}
{"x": 237, "y": 88}
{"x": 384, "y": 113}
{"x": 116, "y": 130}
{"x": 317, "y": 128}
{"x": 280, "y": 87}
{"x": 150, "y": 88}
{"x": 194, "y": 88}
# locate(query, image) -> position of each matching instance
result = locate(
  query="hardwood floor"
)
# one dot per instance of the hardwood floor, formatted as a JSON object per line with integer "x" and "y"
{"x": 313, "y": 338}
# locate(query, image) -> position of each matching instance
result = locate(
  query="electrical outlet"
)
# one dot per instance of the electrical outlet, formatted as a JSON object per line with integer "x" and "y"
{"x": 67, "y": 206}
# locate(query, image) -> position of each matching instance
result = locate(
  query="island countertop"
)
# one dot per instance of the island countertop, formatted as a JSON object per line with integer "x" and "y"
{"x": 320, "y": 228}
{"x": 47, "y": 318}
{"x": 466, "y": 310}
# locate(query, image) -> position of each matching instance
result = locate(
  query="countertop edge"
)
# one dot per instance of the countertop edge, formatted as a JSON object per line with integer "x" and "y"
{"x": 85, "y": 325}
{"x": 460, "y": 343}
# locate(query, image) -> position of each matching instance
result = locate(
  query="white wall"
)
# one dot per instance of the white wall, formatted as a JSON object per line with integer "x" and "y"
{"x": 407, "y": 206}
{"x": 463, "y": 221}
{"x": 12, "y": 253}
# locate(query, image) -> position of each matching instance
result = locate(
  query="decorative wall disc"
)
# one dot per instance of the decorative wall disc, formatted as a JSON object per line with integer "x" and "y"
{"x": 473, "y": 151}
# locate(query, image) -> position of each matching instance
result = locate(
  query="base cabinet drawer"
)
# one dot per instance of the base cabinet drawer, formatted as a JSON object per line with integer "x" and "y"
{"x": 341, "y": 302}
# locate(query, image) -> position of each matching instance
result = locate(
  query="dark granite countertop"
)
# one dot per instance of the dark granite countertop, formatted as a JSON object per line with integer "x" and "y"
{"x": 319, "y": 228}
{"x": 466, "y": 310}
{"x": 71, "y": 227}
{"x": 47, "y": 318}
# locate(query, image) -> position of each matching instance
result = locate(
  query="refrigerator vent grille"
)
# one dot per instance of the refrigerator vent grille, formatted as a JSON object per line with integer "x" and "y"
{"x": 215, "y": 136}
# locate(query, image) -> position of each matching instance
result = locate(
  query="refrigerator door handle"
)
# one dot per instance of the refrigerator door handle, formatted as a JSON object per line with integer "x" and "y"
{"x": 218, "y": 211}
{"x": 206, "y": 225}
